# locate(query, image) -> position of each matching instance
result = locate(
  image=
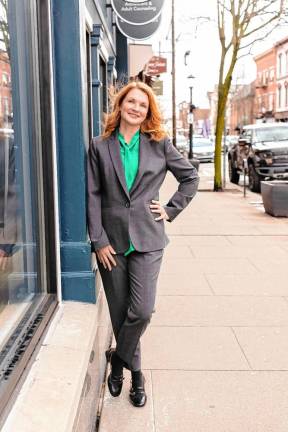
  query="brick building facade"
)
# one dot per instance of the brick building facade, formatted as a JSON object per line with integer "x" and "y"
{"x": 5, "y": 91}
{"x": 242, "y": 107}
{"x": 265, "y": 88}
{"x": 281, "y": 111}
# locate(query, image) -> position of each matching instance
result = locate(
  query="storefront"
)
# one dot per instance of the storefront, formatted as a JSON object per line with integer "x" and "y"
{"x": 57, "y": 60}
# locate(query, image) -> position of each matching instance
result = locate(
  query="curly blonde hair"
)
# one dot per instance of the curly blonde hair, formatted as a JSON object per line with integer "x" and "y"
{"x": 152, "y": 125}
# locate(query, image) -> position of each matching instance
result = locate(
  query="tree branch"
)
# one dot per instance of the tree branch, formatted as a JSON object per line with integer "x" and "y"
{"x": 266, "y": 23}
{"x": 258, "y": 39}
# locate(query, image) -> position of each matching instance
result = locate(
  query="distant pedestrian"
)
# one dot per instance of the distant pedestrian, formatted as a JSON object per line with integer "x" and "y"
{"x": 126, "y": 168}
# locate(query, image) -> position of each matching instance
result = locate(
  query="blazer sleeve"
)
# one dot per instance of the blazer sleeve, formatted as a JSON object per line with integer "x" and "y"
{"x": 97, "y": 233}
{"x": 187, "y": 177}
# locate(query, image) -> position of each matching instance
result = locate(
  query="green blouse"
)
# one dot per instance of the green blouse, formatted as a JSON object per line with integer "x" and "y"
{"x": 130, "y": 159}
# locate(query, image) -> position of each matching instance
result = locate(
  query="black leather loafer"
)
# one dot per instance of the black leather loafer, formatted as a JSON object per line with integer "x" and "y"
{"x": 115, "y": 384}
{"x": 137, "y": 393}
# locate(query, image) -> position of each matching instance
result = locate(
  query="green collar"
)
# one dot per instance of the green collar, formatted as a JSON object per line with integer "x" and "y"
{"x": 133, "y": 141}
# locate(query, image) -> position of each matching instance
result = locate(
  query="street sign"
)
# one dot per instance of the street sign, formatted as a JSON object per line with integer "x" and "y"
{"x": 138, "y": 32}
{"x": 136, "y": 12}
{"x": 156, "y": 66}
{"x": 157, "y": 87}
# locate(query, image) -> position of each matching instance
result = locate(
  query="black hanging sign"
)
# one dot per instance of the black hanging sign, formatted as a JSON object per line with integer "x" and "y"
{"x": 138, "y": 32}
{"x": 137, "y": 12}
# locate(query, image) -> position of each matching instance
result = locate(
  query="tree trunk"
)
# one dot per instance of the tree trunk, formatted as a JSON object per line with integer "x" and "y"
{"x": 218, "y": 144}
{"x": 223, "y": 91}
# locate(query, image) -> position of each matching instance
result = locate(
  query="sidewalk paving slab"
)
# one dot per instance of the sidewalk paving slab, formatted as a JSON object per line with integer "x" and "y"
{"x": 265, "y": 348}
{"x": 220, "y": 311}
{"x": 193, "y": 348}
{"x": 219, "y": 401}
{"x": 255, "y": 285}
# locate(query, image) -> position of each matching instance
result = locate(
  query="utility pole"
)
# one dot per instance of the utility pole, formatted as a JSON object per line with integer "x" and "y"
{"x": 173, "y": 75}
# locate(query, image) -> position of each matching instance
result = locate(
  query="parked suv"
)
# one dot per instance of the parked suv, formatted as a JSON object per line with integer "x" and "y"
{"x": 265, "y": 148}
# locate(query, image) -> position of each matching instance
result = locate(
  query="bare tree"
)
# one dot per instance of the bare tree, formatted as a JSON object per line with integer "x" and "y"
{"x": 241, "y": 23}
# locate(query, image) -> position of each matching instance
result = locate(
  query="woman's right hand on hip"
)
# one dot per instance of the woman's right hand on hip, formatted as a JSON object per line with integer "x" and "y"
{"x": 105, "y": 256}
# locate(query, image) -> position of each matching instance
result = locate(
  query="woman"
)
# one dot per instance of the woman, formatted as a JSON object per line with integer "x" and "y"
{"x": 126, "y": 167}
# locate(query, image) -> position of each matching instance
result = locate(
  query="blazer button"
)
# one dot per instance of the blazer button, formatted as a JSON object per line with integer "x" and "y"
{"x": 127, "y": 205}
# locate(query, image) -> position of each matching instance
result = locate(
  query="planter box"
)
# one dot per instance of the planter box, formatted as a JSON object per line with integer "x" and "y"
{"x": 275, "y": 197}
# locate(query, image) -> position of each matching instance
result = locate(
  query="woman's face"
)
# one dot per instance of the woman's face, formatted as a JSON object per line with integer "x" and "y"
{"x": 134, "y": 107}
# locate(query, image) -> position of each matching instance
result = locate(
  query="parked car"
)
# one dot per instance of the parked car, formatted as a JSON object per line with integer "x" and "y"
{"x": 265, "y": 148}
{"x": 231, "y": 140}
{"x": 182, "y": 143}
{"x": 203, "y": 149}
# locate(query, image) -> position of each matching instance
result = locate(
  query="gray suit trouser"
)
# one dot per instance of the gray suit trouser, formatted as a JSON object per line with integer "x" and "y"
{"x": 130, "y": 290}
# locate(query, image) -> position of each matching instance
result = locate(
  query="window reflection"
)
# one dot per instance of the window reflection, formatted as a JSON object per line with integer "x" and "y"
{"x": 18, "y": 190}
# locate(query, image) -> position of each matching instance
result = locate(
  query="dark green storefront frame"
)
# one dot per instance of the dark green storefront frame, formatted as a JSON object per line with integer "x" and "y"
{"x": 78, "y": 281}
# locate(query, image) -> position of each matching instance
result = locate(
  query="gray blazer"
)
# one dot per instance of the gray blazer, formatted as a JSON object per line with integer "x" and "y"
{"x": 114, "y": 213}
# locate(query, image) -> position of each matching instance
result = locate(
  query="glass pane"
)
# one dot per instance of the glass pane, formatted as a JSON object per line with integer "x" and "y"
{"x": 19, "y": 272}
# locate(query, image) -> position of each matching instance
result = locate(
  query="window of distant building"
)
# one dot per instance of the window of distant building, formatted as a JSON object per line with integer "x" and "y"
{"x": 280, "y": 65}
{"x": 286, "y": 93}
{"x": 270, "y": 102}
{"x": 272, "y": 74}
{"x": 5, "y": 106}
{"x": 279, "y": 96}
{"x": 5, "y": 79}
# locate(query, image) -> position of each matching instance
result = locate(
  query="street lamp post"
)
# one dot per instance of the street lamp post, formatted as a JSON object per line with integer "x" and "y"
{"x": 190, "y": 120}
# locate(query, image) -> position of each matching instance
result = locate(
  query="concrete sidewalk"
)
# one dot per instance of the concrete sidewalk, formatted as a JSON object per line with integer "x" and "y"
{"x": 215, "y": 355}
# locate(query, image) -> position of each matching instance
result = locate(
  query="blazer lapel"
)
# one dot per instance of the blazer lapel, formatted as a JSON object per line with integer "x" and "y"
{"x": 143, "y": 160}
{"x": 114, "y": 149}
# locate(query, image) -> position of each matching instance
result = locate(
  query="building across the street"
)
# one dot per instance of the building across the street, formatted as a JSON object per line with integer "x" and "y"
{"x": 263, "y": 100}
{"x": 265, "y": 88}
{"x": 281, "y": 112}
{"x": 241, "y": 107}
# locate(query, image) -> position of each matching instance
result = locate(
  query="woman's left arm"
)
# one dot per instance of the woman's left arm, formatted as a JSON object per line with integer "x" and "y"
{"x": 187, "y": 177}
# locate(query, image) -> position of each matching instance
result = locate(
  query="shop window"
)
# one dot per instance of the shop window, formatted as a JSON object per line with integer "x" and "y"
{"x": 88, "y": 84}
{"x": 103, "y": 90}
{"x": 25, "y": 295}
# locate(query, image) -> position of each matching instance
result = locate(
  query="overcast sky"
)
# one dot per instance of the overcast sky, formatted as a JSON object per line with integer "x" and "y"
{"x": 201, "y": 38}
